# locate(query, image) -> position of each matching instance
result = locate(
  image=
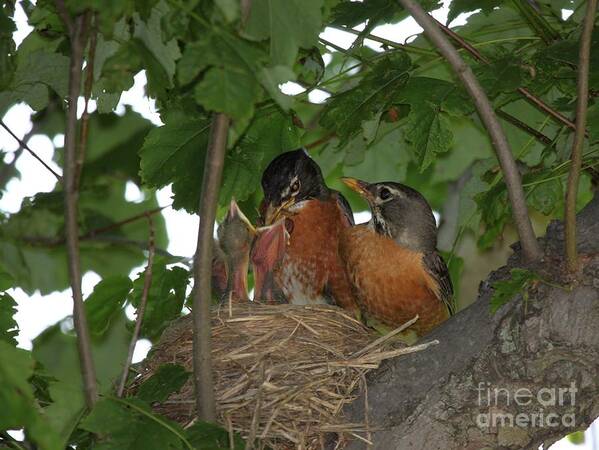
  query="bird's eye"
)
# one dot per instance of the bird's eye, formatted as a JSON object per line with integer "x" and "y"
{"x": 385, "y": 194}
{"x": 295, "y": 186}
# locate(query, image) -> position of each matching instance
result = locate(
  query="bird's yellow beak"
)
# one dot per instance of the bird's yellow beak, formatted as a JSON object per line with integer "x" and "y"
{"x": 359, "y": 186}
{"x": 235, "y": 212}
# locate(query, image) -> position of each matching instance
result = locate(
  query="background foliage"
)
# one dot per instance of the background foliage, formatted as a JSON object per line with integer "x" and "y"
{"x": 395, "y": 114}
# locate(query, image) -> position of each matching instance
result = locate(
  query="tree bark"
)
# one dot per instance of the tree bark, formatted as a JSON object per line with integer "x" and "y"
{"x": 440, "y": 398}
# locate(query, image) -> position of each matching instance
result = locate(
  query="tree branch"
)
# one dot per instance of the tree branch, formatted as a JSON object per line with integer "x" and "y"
{"x": 71, "y": 199}
{"x": 141, "y": 308}
{"x": 581, "y": 119}
{"x": 87, "y": 91}
{"x": 5, "y": 172}
{"x": 537, "y": 102}
{"x": 24, "y": 145}
{"x": 202, "y": 364}
{"x": 524, "y": 127}
{"x": 530, "y": 246}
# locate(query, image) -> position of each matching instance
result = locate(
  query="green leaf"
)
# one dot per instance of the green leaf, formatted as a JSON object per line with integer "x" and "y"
{"x": 505, "y": 290}
{"x": 505, "y": 74}
{"x": 227, "y": 91}
{"x": 57, "y": 352}
{"x": 346, "y": 111}
{"x": 105, "y": 303}
{"x": 289, "y": 25}
{"x": 150, "y": 33}
{"x": 165, "y": 299}
{"x": 458, "y": 7}
{"x": 169, "y": 378}
{"x": 430, "y": 133}
{"x": 208, "y": 436}
{"x": 9, "y": 329}
{"x": 19, "y": 407}
{"x": 174, "y": 153}
{"x": 130, "y": 424}
{"x": 546, "y": 197}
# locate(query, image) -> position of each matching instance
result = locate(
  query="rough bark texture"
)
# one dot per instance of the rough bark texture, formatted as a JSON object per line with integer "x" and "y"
{"x": 430, "y": 400}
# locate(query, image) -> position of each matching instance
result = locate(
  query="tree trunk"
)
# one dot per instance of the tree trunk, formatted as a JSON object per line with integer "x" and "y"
{"x": 454, "y": 395}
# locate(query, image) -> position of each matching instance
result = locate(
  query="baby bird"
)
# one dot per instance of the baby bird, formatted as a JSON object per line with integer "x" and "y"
{"x": 235, "y": 236}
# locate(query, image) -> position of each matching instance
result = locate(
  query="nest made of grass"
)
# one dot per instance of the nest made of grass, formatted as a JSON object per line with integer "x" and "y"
{"x": 283, "y": 373}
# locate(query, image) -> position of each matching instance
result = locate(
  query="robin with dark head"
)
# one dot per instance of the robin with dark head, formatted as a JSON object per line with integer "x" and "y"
{"x": 235, "y": 236}
{"x": 392, "y": 261}
{"x": 311, "y": 270}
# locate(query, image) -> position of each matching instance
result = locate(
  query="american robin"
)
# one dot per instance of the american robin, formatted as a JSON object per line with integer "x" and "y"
{"x": 392, "y": 261}
{"x": 311, "y": 271}
{"x": 266, "y": 257}
{"x": 235, "y": 236}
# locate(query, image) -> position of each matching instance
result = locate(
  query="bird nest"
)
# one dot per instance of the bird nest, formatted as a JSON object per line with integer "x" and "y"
{"x": 282, "y": 373}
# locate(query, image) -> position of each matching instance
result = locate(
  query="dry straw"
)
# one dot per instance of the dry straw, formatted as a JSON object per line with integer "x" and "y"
{"x": 283, "y": 373}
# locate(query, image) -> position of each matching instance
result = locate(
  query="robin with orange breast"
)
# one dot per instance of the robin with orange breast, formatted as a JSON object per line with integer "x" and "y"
{"x": 311, "y": 270}
{"x": 392, "y": 261}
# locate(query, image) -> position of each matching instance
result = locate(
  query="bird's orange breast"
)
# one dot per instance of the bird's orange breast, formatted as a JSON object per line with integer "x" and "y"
{"x": 390, "y": 281}
{"x": 312, "y": 262}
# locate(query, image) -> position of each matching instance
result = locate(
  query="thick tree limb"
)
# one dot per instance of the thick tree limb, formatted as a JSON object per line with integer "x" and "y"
{"x": 439, "y": 398}
{"x": 141, "y": 309}
{"x": 71, "y": 199}
{"x": 531, "y": 250}
{"x": 581, "y": 121}
{"x": 23, "y": 144}
{"x": 202, "y": 297}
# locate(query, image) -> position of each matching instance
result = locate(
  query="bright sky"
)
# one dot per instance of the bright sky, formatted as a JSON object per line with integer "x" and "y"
{"x": 37, "y": 312}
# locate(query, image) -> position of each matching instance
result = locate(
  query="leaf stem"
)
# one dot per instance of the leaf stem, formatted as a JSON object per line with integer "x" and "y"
{"x": 202, "y": 296}
{"x": 142, "y": 305}
{"x": 579, "y": 134}
{"x": 530, "y": 246}
{"x": 71, "y": 199}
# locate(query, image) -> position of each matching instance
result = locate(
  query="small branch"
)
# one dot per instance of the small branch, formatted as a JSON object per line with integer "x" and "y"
{"x": 5, "y": 172}
{"x": 24, "y": 145}
{"x": 581, "y": 119}
{"x": 87, "y": 92}
{"x": 202, "y": 296}
{"x": 320, "y": 141}
{"x": 65, "y": 17}
{"x": 71, "y": 198}
{"x": 141, "y": 308}
{"x": 540, "y": 104}
{"x": 530, "y": 246}
{"x": 524, "y": 127}
{"x": 112, "y": 226}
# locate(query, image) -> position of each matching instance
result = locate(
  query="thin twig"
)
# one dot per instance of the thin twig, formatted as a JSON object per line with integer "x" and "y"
{"x": 24, "y": 145}
{"x": 530, "y": 246}
{"x": 202, "y": 363}
{"x": 66, "y": 18}
{"x": 581, "y": 119}
{"x": 120, "y": 223}
{"x": 5, "y": 172}
{"x": 524, "y": 127}
{"x": 71, "y": 196}
{"x": 87, "y": 92}
{"x": 540, "y": 104}
{"x": 141, "y": 308}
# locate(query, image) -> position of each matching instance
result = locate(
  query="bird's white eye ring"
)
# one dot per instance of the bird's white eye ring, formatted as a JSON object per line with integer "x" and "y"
{"x": 295, "y": 187}
{"x": 385, "y": 193}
